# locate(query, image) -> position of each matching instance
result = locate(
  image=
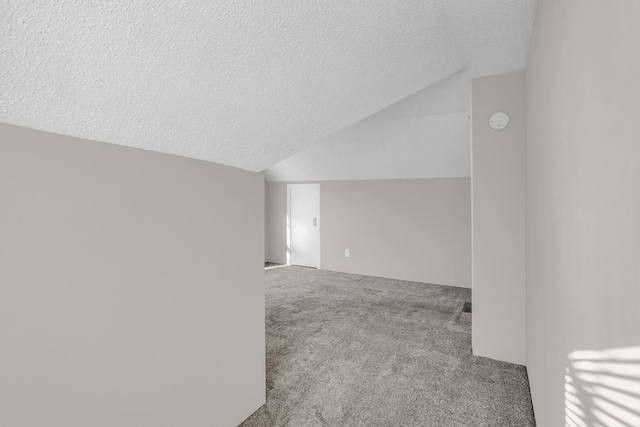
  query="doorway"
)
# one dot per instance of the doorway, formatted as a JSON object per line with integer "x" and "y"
{"x": 303, "y": 230}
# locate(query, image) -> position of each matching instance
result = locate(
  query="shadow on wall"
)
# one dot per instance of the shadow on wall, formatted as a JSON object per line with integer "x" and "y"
{"x": 602, "y": 388}
{"x": 288, "y": 240}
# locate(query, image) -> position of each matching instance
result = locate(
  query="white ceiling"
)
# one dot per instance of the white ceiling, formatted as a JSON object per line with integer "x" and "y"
{"x": 244, "y": 83}
{"x": 420, "y": 147}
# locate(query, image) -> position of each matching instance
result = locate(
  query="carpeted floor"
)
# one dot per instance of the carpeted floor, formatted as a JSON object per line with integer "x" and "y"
{"x": 269, "y": 265}
{"x": 347, "y": 350}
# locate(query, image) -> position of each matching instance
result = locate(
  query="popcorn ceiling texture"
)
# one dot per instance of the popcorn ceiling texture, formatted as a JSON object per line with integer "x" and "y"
{"x": 244, "y": 83}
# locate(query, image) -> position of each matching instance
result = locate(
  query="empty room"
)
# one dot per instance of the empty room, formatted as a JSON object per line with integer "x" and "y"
{"x": 261, "y": 214}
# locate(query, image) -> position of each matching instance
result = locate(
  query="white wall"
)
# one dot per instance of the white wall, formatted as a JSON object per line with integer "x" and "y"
{"x": 583, "y": 202}
{"x": 132, "y": 286}
{"x": 415, "y": 229}
{"x": 498, "y": 188}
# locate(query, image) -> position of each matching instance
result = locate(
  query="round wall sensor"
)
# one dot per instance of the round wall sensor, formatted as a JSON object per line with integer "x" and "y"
{"x": 499, "y": 121}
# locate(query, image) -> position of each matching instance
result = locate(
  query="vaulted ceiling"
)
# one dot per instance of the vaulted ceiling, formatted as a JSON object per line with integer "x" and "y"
{"x": 244, "y": 83}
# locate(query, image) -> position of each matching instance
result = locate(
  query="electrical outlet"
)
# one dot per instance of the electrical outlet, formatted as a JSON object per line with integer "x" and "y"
{"x": 347, "y": 253}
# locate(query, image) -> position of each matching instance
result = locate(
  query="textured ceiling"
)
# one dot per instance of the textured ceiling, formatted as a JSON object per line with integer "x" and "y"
{"x": 243, "y": 83}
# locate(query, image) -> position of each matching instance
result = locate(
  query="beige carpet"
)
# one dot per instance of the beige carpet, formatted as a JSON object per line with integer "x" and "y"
{"x": 347, "y": 350}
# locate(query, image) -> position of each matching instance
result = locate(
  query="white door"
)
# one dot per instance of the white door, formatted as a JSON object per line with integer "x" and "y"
{"x": 304, "y": 223}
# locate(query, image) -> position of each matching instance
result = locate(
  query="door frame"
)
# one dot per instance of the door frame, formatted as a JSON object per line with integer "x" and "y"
{"x": 317, "y": 188}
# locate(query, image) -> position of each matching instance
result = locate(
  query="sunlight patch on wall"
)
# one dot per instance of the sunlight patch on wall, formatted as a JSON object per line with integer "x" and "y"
{"x": 602, "y": 388}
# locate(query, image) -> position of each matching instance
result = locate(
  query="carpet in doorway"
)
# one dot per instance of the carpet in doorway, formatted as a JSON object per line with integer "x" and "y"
{"x": 348, "y": 350}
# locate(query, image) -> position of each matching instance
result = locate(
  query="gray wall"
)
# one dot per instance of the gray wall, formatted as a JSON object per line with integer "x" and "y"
{"x": 499, "y": 208}
{"x": 413, "y": 229}
{"x": 276, "y": 222}
{"x": 132, "y": 286}
{"x": 583, "y": 200}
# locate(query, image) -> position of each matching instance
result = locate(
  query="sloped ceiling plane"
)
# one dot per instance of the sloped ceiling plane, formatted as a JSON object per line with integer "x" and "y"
{"x": 244, "y": 83}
